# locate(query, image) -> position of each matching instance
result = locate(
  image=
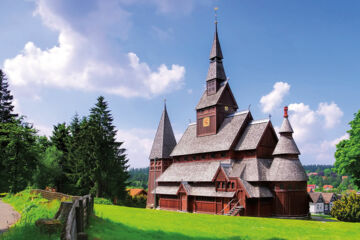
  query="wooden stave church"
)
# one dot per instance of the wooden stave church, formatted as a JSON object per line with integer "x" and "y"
{"x": 226, "y": 162}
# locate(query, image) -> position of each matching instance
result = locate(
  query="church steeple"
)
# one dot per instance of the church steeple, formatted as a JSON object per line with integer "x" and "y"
{"x": 164, "y": 141}
{"x": 216, "y": 73}
{"x": 216, "y": 48}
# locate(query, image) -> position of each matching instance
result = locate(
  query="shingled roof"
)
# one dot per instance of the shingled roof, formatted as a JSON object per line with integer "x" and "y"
{"x": 252, "y": 170}
{"x": 222, "y": 141}
{"x": 193, "y": 190}
{"x": 328, "y": 196}
{"x": 252, "y": 135}
{"x": 214, "y": 99}
{"x": 216, "y": 70}
{"x": 216, "y": 49}
{"x": 286, "y": 144}
{"x": 256, "y": 191}
{"x": 190, "y": 172}
{"x": 164, "y": 141}
{"x": 316, "y": 197}
{"x": 284, "y": 169}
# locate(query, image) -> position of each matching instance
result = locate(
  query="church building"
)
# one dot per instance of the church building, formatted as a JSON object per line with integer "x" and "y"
{"x": 226, "y": 162}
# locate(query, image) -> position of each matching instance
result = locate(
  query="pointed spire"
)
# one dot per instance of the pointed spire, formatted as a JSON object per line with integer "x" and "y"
{"x": 286, "y": 143}
{"x": 164, "y": 141}
{"x": 216, "y": 49}
{"x": 286, "y": 165}
{"x": 216, "y": 68}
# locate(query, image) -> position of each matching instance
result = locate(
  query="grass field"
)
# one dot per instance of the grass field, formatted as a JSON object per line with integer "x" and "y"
{"x": 31, "y": 208}
{"x": 115, "y": 222}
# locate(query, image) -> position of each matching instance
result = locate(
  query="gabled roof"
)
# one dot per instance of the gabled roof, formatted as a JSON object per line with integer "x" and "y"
{"x": 252, "y": 135}
{"x": 328, "y": 197}
{"x": 214, "y": 99}
{"x": 216, "y": 49}
{"x": 222, "y": 141}
{"x": 315, "y": 197}
{"x": 137, "y": 191}
{"x": 190, "y": 172}
{"x": 164, "y": 141}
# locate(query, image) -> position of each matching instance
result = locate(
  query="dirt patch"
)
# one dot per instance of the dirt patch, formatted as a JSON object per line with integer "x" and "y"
{"x": 8, "y": 216}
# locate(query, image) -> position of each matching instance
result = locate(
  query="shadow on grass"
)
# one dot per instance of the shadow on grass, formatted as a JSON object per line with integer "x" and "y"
{"x": 25, "y": 232}
{"x": 103, "y": 229}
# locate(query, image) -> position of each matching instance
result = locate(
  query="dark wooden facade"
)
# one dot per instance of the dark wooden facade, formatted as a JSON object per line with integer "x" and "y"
{"x": 249, "y": 177}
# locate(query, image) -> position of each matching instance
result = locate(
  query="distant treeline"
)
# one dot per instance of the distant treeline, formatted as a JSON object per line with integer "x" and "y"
{"x": 138, "y": 178}
{"x": 316, "y": 167}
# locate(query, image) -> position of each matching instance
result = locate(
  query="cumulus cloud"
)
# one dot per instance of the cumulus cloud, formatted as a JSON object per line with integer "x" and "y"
{"x": 273, "y": 100}
{"x": 331, "y": 112}
{"x": 311, "y": 126}
{"x": 82, "y": 59}
{"x": 138, "y": 143}
{"x": 323, "y": 152}
{"x": 302, "y": 119}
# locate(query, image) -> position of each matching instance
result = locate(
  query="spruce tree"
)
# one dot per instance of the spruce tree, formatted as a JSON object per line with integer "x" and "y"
{"x": 61, "y": 140}
{"x": 110, "y": 166}
{"x": 19, "y": 156}
{"x": 6, "y": 104}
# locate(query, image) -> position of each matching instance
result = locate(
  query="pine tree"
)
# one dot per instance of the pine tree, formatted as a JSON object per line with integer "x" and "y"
{"x": 19, "y": 156}
{"x": 61, "y": 139}
{"x": 110, "y": 166}
{"x": 6, "y": 105}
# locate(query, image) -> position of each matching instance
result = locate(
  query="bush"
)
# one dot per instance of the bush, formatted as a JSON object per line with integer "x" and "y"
{"x": 347, "y": 209}
{"x": 102, "y": 201}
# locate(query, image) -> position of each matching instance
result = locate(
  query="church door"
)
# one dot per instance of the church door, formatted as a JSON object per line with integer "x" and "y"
{"x": 183, "y": 202}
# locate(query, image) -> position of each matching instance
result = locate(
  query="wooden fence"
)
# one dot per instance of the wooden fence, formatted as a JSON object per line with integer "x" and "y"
{"x": 77, "y": 214}
{"x": 74, "y": 214}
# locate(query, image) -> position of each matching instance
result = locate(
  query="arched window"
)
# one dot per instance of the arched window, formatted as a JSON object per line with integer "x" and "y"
{"x": 228, "y": 185}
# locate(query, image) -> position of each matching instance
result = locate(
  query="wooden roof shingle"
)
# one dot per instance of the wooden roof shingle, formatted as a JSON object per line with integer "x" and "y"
{"x": 222, "y": 141}
{"x": 164, "y": 141}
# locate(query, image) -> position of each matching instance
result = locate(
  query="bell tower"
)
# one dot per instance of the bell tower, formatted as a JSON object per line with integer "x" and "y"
{"x": 217, "y": 101}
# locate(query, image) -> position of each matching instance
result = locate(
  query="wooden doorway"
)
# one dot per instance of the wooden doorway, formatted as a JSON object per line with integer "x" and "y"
{"x": 183, "y": 202}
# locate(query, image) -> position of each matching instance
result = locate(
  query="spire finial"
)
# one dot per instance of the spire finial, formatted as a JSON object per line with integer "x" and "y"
{"x": 286, "y": 112}
{"x": 215, "y": 10}
{"x": 164, "y": 102}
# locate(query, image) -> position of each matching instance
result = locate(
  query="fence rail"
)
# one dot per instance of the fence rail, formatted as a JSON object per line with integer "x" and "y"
{"x": 74, "y": 214}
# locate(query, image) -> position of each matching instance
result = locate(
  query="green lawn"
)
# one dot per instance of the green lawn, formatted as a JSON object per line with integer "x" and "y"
{"x": 115, "y": 222}
{"x": 31, "y": 207}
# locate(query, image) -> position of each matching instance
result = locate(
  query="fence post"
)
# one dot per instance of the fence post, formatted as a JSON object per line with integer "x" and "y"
{"x": 79, "y": 216}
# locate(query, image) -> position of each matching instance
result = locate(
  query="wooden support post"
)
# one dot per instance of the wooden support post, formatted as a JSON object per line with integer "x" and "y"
{"x": 80, "y": 216}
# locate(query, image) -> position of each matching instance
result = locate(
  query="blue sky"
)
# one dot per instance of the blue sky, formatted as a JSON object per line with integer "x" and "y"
{"x": 61, "y": 55}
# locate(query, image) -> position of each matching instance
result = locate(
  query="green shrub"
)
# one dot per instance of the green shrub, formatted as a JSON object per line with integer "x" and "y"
{"x": 102, "y": 201}
{"x": 347, "y": 209}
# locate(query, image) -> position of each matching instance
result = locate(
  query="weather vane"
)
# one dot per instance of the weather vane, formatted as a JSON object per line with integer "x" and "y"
{"x": 215, "y": 10}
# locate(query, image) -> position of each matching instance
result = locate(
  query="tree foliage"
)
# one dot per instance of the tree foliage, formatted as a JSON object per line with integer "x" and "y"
{"x": 347, "y": 153}
{"x": 6, "y": 104}
{"x": 347, "y": 209}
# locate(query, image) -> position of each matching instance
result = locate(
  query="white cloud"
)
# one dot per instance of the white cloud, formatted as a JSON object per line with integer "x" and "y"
{"x": 331, "y": 112}
{"x": 323, "y": 152}
{"x": 16, "y": 105}
{"x": 272, "y": 100}
{"x": 81, "y": 59}
{"x": 302, "y": 119}
{"x": 138, "y": 143}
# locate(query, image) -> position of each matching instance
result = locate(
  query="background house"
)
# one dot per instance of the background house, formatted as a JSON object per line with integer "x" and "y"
{"x": 316, "y": 203}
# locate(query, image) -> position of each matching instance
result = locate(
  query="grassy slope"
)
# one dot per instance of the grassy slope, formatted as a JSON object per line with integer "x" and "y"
{"x": 31, "y": 208}
{"x": 114, "y": 222}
